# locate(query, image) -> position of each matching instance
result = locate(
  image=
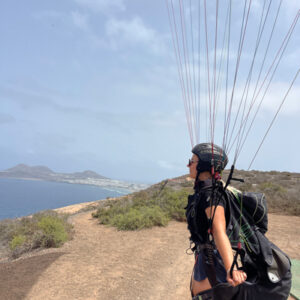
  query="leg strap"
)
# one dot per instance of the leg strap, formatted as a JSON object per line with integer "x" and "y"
{"x": 206, "y": 295}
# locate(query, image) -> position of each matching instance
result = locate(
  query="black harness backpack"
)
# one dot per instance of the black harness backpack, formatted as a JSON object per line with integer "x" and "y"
{"x": 267, "y": 267}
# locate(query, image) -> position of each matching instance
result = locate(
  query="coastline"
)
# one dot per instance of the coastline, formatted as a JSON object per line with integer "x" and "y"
{"x": 76, "y": 208}
{"x": 107, "y": 184}
{"x": 25, "y": 197}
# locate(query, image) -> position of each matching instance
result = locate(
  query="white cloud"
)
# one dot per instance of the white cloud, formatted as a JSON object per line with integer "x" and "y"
{"x": 271, "y": 101}
{"x": 102, "y": 5}
{"x": 256, "y": 5}
{"x": 291, "y": 7}
{"x": 80, "y": 20}
{"x": 168, "y": 165}
{"x": 133, "y": 32}
{"x": 276, "y": 94}
{"x": 268, "y": 108}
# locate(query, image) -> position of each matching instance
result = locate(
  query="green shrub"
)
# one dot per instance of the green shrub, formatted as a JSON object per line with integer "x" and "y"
{"x": 105, "y": 214}
{"x": 145, "y": 209}
{"x": 17, "y": 241}
{"x": 143, "y": 217}
{"x": 44, "y": 229}
{"x": 272, "y": 187}
{"x": 174, "y": 202}
{"x": 54, "y": 233}
{"x": 8, "y": 230}
{"x": 274, "y": 192}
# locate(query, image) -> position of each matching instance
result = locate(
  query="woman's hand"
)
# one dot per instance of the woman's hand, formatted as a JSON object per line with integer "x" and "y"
{"x": 238, "y": 277}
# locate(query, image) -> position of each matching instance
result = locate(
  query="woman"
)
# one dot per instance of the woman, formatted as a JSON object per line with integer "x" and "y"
{"x": 205, "y": 167}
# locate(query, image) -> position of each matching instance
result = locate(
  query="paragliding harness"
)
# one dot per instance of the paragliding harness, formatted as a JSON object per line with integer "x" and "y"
{"x": 263, "y": 262}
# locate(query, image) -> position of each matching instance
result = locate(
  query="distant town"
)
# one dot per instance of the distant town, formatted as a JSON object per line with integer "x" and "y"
{"x": 23, "y": 171}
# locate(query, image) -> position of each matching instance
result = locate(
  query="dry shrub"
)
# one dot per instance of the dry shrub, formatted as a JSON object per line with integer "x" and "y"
{"x": 42, "y": 230}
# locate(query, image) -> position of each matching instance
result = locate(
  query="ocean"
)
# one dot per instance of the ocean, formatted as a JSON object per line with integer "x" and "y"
{"x": 24, "y": 197}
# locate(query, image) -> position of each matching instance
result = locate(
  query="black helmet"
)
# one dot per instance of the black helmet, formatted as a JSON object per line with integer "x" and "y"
{"x": 204, "y": 154}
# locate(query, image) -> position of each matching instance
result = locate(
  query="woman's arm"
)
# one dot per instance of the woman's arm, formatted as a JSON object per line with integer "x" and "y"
{"x": 223, "y": 244}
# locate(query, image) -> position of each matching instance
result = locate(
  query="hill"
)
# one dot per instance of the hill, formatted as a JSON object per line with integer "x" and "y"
{"x": 88, "y": 177}
{"x": 282, "y": 189}
{"x": 44, "y": 173}
{"x": 165, "y": 201}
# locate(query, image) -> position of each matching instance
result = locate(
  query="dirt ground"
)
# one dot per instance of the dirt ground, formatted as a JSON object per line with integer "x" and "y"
{"x": 103, "y": 263}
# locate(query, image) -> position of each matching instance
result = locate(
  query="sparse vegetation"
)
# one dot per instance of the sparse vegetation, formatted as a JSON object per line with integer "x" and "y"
{"x": 17, "y": 241}
{"x": 152, "y": 207}
{"x": 282, "y": 189}
{"x": 42, "y": 230}
{"x": 165, "y": 201}
{"x": 274, "y": 188}
{"x": 53, "y": 232}
{"x": 139, "y": 218}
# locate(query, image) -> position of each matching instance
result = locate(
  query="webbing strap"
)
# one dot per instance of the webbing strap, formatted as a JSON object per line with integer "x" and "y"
{"x": 209, "y": 264}
{"x": 206, "y": 295}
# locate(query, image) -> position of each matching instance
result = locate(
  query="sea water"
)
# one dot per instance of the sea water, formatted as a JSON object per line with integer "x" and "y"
{"x": 24, "y": 197}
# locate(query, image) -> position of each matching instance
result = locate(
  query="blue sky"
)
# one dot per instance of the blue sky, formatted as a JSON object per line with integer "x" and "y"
{"x": 93, "y": 84}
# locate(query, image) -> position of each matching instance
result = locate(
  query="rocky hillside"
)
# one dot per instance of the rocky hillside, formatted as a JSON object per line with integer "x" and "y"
{"x": 282, "y": 189}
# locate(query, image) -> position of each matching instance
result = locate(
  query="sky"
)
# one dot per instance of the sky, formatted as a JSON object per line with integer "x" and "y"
{"x": 93, "y": 85}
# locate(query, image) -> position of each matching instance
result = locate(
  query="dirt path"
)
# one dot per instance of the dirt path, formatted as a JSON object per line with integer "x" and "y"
{"x": 102, "y": 263}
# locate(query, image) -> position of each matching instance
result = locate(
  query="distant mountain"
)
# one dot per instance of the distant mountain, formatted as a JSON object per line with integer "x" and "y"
{"x": 22, "y": 171}
{"x": 44, "y": 173}
{"x": 88, "y": 174}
